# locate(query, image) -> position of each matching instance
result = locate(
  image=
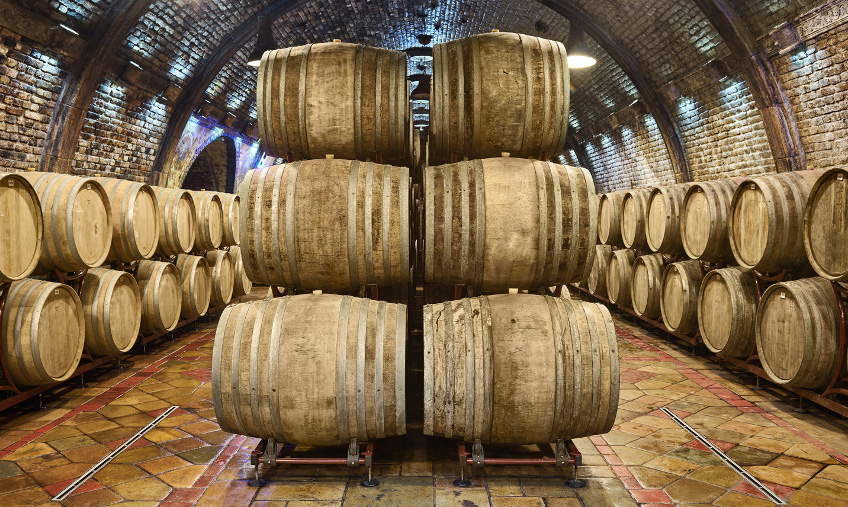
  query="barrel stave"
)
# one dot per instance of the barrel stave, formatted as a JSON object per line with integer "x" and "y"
{"x": 22, "y": 228}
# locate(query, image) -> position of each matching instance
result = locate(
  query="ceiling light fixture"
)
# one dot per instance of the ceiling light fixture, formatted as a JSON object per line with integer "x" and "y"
{"x": 264, "y": 43}
{"x": 68, "y": 29}
{"x": 577, "y": 51}
{"x": 137, "y": 66}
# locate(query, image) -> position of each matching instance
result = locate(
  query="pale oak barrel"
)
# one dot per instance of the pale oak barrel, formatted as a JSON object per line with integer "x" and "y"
{"x": 210, "y": 220}
{"x": 519, "y": 369}
{"x": 77, "y": 221}
{"x": 609, "y": 218}
{"x": 340, "y": 99}
{"x": 21, "y": 228}
{"x": 111, "y": 305}
{"x": 619, "y": 273}
{"x": 597, "y": 283}
{"x": 704, "y": 219}
{"x": 159, "y": 284}
{"x": 326, "y": 224}
{"x": 727, "y": 309}
{"x": 681, "y": 284}
{"x": 230, "y": 204}
{"x": 503, "y": 223}
{"x": 44, "y": 332}
{"x": 766, "y": 227}
{"x": 826, "y": 225}
{"x": 196, "y": 285}
{"x": 634, "y": 217}
{"x": 135, "y": 219}
{"x": 223, "y": 276}
{"x": 798, "y": 332}
{"x": 646, "y": 285}
{"x": 311, "y": 369}
{"x": 177, "y": 221}
{"x": 241, "y": 283}
{"x": 498, "y": 92}
{"x": 662, "y": 228}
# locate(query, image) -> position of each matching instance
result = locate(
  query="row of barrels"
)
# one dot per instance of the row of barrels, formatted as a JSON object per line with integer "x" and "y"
{"x": 509, "y": 369}
{"x": 793, "y": 327}
{"x": 46, "y": 325}
{"x": 351, "y": 100}
{"x": 491, "y": 224}
{"x": 69, "y": 223}
{"x": 790, "y": 221}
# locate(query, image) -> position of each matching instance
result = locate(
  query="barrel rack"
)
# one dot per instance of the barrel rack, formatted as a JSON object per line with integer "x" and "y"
{"x": 76, "y": 280}
{"x": 838, "y": 385}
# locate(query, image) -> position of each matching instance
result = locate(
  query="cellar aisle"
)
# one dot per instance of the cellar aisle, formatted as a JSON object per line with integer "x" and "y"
{"x": 647, "y": 459}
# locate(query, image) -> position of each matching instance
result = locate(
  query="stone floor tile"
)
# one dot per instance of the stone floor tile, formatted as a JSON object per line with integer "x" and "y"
{"x": 467, "y": 498}
{"x": 720, "y": 475}
{"x": 88, "y": 454}
{"x": 392, "y": 492}
{"x": 695, "y": 456}
{"x": 747, "y": 456}
{"x": 517, "y": 501}
{"x": 149, "y": 488}
{"x": 31, "y": 496}
{"x": 17, "y": 483}
{"x": 30, "y": 451}
{"x": 652, "y": 479}
{"x": 305, "y": 503}
{"x": 504, "y": 486}
{"x": 690, "y": 491}
{"x": 671, "y": 465}
{"x": 117, "y": 473}
{"x": 652, "y": 444}
{"x": 202, "y": 455}
{"x": 734, "y": 499}
{"x": 303, "y": 491}
{"x": 805, "y": 498}
{"x": 837, "y": 473}
{"x": 605, "y": 493}
{"x": 182, "y": 477}
{"x": 548, "y": 487}
{"x": 141, "y": 454}
{"x": 779, "y": 476}
{"x": 675, "y": 435}
{"x": 101, "y": 496}
{"x": 809, "y": 452}
{"x": 563, "y": 502}
{"x": 827, "y": 487}
{"x": 632, "y": 455}
{"x": 58, "y": 433}
{"x": 159, "y": 435}
{"x": 234, "y": 493}
{"x": 165, "y": 464}
{"x": 767, "y": 444}
{"x": 182, "y": 444}
{"x": 798, "y": 465}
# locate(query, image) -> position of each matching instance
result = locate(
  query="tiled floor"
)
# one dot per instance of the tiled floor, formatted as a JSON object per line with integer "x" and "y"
{"x": 647, "y": 459}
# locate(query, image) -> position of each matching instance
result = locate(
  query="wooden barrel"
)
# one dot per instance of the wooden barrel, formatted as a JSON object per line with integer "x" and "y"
{"x": 230, "y": 204}
{"x": 766, "y": 221}
{"x": 223, "y": 276}
{"x": 331, "y": 368}
{"x": 597, "y": 283}
{"x": 159, "y": 284}
{"x": 241, "y": 283}
{"x": 704, "y": 218}
{"x": 22, "y": 228}
{"x": 798, "y": 332}
{"x": 77, "y": 221}
{"x": 326, "y": 224}
{"x": 662, "y": 228}
{"x": 619, "y": 273}
{"x": 609, "y": 218}
{"x": 196, "y": 284}
{"x": 340, "y": 99}
{"x": 646, "y": 285}
{"x": 727, "y": 307}
{"x": 503, "y": 223}
{"x": 43, "y": 332}
{"x": 135, "y": 219}
{"x": 826, "y": 225}
{"x": 681, "y": 284}
{"x": 111, "y": 305}
{"x": 498, "y": 92}
{"x": 634, "y": 215}
{"x": 519, "y": 369}
{"x": 177, "y": 221}
{"x": 210, "y": 220}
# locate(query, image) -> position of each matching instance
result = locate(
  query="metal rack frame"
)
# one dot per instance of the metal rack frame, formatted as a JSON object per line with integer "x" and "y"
{"x": 268, "y": 452}
{"x": 566, "y": 454}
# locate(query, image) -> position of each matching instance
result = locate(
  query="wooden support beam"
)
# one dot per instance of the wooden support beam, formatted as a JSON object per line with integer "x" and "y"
{"x": 766, "y": 88}
{"x": 60, "y": 144}
{"x": 648, "y": 94}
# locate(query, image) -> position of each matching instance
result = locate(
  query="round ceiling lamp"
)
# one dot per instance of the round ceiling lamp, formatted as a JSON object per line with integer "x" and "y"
{"x": 578, "y": 54}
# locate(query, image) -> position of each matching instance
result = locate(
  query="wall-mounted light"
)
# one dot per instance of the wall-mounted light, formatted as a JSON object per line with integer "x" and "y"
{"x": 265, "y": 42}
{"x": 577, "y": 51}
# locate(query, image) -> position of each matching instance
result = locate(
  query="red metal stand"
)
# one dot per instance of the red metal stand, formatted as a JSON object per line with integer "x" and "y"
{"x": 566, "y": 454}
{"x": 268, "y": 452}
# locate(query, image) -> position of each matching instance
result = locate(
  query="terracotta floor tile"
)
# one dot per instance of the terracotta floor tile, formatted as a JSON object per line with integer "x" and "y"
{"x": 91, "y": 498}
{"x": 119, "y": 433}
{"x": 182, "y": 477}
{"x": 199, "y": 428}
{"x": 31, "y": 496}
{"x": 30, "y": 451}
{"x": 137, "y": 420}
{"x": 140, "y": 454}
{"x": 117, "y": 473}
{"x": 159, "y": 435}
{"x": 183, "y": 444}
{"x": 114, "y": 411}
{"x": 96, "y": 426}
{"x": 148, "y": 488}
{"x": 217, "y": 437}
{"x": 58, "y": 433}
{"x": 41, "y": 462}
{"x": 16, "y": 483}
{"x": 89, "y": 454}
{"x": 61, "y": 473}
{"x": 202, "y": 455}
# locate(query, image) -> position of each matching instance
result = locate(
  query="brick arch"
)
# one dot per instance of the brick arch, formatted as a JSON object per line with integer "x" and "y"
{"x": 214, "y": 168}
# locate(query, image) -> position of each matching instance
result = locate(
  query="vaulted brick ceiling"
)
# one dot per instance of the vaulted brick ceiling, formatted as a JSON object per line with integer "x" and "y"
{"x": 668, "y": 38}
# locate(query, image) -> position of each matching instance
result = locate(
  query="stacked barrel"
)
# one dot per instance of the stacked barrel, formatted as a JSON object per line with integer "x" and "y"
{"x": 331, "y": 221}
{"x": 747, "y": 286}
{"x": 500, "y": 219}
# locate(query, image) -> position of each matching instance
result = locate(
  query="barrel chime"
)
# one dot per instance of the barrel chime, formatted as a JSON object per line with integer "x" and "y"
{"x": 498, "y": 368}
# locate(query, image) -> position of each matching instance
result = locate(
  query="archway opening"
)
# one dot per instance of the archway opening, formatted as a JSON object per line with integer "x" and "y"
{"x": 214, "y": 168}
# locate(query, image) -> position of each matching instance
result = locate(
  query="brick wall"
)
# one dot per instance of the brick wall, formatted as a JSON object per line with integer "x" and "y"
{"x": 30, "y": 82}
{"x": 814, "y": 78}
{"x": 722, "y": 131}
